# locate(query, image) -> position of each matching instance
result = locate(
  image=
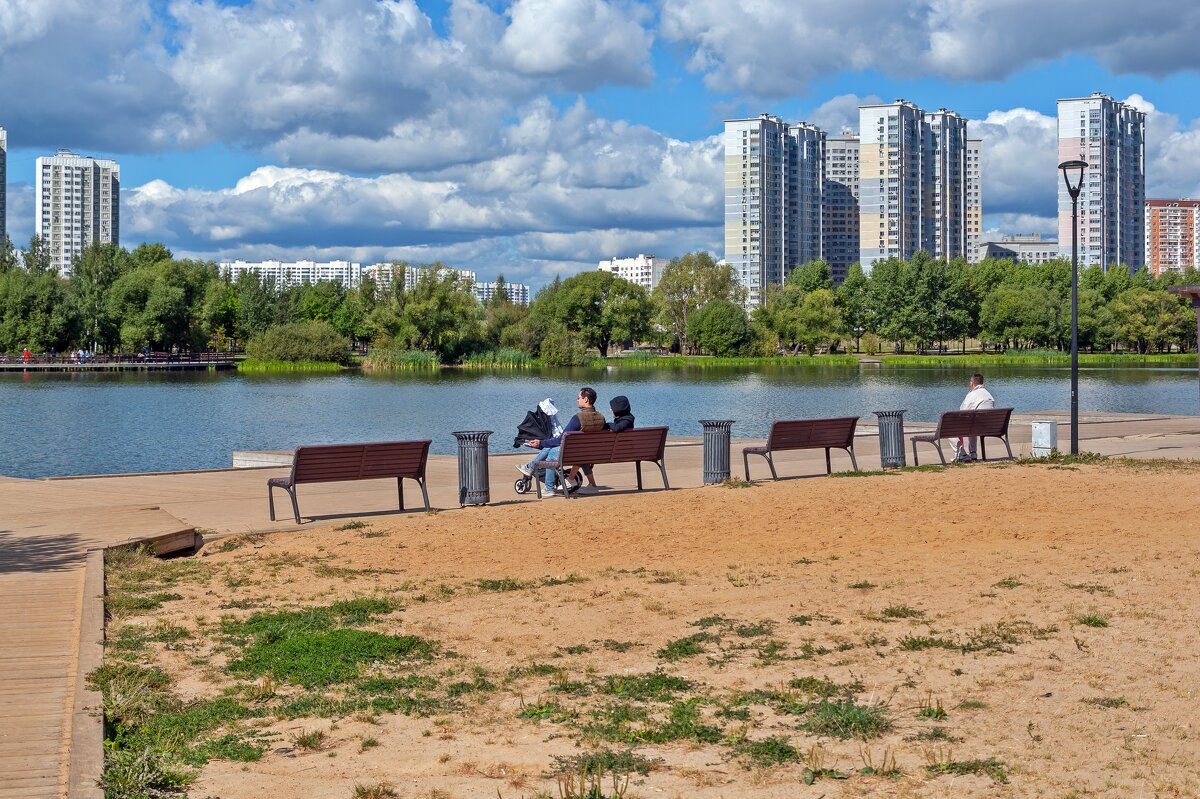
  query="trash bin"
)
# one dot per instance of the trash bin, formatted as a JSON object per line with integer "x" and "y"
{"x": 716, "y": 449}
{"x": 891, "y": 439}
{"x": 473, "y": 486}
{"x": 1045, "y": 438}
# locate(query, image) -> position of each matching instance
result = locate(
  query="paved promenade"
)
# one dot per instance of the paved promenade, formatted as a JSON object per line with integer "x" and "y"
{"x": 48, "y": 526}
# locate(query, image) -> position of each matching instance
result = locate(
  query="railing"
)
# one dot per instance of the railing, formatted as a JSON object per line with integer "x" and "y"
{"x": 83, "y": 357}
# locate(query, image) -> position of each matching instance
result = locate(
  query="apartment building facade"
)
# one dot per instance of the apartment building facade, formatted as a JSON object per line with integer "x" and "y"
{"x": 840, "y": 214}
{"x": 384, "y": 274}
{"x": 78, "y": 203}
{"x": 518, "y": 293}
{"x": 290, "y": 273}
{"x": 919, "y": 184}
{"x": 1028, "y": 249}
{"x": 1111, "y": 137}
{"x": 3, "y": 184}
{"x": 1172, "y": 236}
{"x": 644, "y": 270}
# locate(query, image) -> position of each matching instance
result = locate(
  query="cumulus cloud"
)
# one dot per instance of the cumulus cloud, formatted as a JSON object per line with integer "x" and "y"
{"x": 774, "y": 48}
{"x": 1020, "y": 161}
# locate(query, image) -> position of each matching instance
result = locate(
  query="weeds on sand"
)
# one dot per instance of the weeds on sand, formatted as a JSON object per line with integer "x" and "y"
{"x": 941, "y": 761}
{"x": 656, "y": 686}
{"x": 309, "y": 741}
{"x": 1008, "y": 582}
{"x": 625, "y": 761}
{"x": 1092, "y": 620}
{"x": 772, "y": 751}
{"x": 1091, "y": 588}
{"x": 378, "y": 790}
{"x": 144, "y": 772}
{"x": 685, "y": 647}
{"x": 502, "y": 584}
{"x": 737, "y": 482}
{"x": 902, "y": 612}
{"x": 1108, "y": 702}
{"x": 847, "y": 719}
{"x": 931, "y": 709}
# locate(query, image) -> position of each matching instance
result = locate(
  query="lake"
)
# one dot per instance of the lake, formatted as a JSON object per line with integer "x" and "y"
{"x": 71, "y": 423}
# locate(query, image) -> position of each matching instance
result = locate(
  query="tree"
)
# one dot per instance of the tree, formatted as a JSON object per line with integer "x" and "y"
{"x": 37, "y": 257}
{"x": 853, "y": 300}
{"x": 602, "y": 309}
{"x": 688, "y": 284}
{"x": 818, "y": 321}
{"x": 721, "y": 328}
{"x": 93, "y": 275}
{"x": 811, "y": 276}
{"x": 441, "y": 313}
{"x": 1143, "y": 317}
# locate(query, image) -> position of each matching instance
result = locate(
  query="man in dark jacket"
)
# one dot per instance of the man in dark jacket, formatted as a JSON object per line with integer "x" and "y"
{"x": 622, "y": 420}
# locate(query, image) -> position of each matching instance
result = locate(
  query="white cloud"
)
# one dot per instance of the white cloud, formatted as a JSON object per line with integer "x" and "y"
{"x": 1020, "y": 160}
{"x": 773, "y": 48}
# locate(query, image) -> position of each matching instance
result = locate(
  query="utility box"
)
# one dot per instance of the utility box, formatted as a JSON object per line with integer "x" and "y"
{"x": 1045, "y": 438}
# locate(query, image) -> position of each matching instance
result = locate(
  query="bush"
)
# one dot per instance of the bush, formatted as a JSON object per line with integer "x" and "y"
{"x": 393, "y": 357}
{"x": 143, "y": 774}
{"x": 561, "y": 347}
{"x": 299, "y": 341}
{"x": 721, "y": 328}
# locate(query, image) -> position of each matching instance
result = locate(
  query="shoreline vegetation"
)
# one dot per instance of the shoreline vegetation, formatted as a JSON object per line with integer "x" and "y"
{"x": 417, "y": 360}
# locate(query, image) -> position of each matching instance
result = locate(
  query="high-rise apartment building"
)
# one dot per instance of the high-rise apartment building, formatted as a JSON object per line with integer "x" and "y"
{"x": 78, "y": 203}
{"x": 518, "y": 293}
{"x": 918, "y": 190}
{"x": 3, "y": 184}
{"x": 839, "y": 217}
{"x": 644, "y": 270}
{"x": 1024, "y": 249}
{"x": 1111, "y": 137}
{"x": 773, "y": 184}
{"x": 1172, "y": 236}
{"x": 284, "y": 273}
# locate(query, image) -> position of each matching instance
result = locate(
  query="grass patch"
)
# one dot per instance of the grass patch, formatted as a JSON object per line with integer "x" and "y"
{"x": 317, "y": 659}
{"x": 654, "y": 687}
{"x": 991, "y": 766}
{"x": 309, "y": 741}
{"x": 253, "y": 366}
{"x": 902, "y": 612}
{"x": 1108, "y": 702}
{"x": 1092, "y": 620}
{"x": 1008, "y": 582}
{"x": 503, "y": 584}
{"x": 688, "y": 647}
{"x": 772, "y": 751}
{"x": 377, "y": 790}
{"x": 847, "y": 719}
{"x": 145, "y": 772}
{"x": 272, "y": 626}
{"x": 1091, "y": 588}
{"x": 863, "y": 585}
{"x": 916, "y": 643}
{"x": 601, "y": 760}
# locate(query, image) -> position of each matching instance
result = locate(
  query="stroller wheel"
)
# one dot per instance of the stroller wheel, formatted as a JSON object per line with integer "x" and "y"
{"x": 521, "y": 486}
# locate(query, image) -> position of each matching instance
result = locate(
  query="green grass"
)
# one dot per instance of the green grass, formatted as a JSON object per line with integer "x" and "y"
{"x": 772, "y": 751}
{"x": 653, "y": 687}
{"x": 377, "y": 790}
{"x": 604, "y": 760}
{"x": 1038, "y": 358}
{"x": 1107, "y": 702}
{"x": 692, "y": 361}
{"x": 251, "y": 366}
{"x": 847, "y": 719}
{"x": 686, "y": 647}
{"x": 318, "y": 659}
{"x": 990, "y": 766}
{"x": 503, "y": 584}
{"x": 143, "y": 774}
{"x": 902, "y": 612}
{"x": 500, "y": 359}
{"x": 395, "y": 359}
{"x": 1092, "y": 620}
{"x": 270, "y": 626}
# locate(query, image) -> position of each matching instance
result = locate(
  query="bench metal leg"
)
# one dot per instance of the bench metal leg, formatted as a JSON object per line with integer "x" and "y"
{"x": 291, "y": 493}
{"x": 400, "y": 491}
{"x": 662, "y": 467}
{"x": 828, "y": 462}
{"x": 983, "y": 448}
{"x": 424, "y": 493}
{"x": 271, "y": 500}
{"x": 941, "y": 455}
{"x": 771, "y": 463}
{"x": 746, "y": 463}
{"x": 916, "y": 460}
{"x": 638, "y": 466}
{"x": 853, "y": 462}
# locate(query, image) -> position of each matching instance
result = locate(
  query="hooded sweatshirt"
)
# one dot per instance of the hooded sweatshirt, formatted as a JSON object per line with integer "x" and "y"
{"x": 622, "y": 416}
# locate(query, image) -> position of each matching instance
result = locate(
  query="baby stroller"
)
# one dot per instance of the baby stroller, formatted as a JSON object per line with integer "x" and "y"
{"x": 541, "y": 422}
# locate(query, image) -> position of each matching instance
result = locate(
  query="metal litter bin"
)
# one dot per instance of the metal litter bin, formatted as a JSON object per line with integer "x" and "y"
{"x": 891, "y": 439}
{"x": 716, "y": 449}
{"x": 473, "y": 486}
{"x": 1045, "y": 438}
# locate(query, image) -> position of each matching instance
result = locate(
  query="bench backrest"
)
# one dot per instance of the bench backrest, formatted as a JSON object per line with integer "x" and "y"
{"x": 969, "y": 424}
{"x": 327, "y": 463}
{"x": 812, "y": 433}
{"x": 605, "y": 446}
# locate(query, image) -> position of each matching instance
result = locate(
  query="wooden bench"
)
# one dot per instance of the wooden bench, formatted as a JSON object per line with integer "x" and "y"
{"x": 823, "y": 434}
{"x": 982, "y": 424}
{"x": 641, "y": 444}
{"x": 328, "y": 463}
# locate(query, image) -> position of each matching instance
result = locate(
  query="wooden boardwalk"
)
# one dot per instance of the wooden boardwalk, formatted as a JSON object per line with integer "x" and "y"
{"x": 42, "y": 576}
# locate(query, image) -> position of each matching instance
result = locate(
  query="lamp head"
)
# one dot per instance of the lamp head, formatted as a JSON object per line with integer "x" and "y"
{"x": 1073, "y": 176}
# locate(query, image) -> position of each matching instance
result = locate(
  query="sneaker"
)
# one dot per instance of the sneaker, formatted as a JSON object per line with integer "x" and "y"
{"x": 963, "y": 458}
{"x": 587, "y": 489}
{"x": 524, "y": 469}
{"x": 551, "y": 494}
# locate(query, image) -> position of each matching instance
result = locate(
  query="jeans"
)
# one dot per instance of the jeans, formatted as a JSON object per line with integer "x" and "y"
{"x": 547, "y": 454}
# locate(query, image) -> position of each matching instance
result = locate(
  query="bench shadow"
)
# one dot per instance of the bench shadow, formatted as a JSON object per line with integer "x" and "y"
{"x": 39, "y": 553}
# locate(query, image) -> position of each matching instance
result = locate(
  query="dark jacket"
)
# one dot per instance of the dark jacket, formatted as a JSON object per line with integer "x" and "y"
{"x": 536, "y": 425}
{"x": 622, "y": 416}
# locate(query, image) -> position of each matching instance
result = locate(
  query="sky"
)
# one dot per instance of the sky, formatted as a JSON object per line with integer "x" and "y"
{"x": 534, "y": 138}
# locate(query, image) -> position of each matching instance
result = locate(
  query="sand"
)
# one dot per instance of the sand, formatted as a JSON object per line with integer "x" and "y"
{"x": 838, "y": 579}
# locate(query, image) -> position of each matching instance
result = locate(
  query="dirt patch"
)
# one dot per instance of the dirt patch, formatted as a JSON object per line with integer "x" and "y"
{"x": 987, "y": 631}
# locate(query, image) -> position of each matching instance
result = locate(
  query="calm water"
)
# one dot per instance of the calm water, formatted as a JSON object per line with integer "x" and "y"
{"x": 63, "y": 424}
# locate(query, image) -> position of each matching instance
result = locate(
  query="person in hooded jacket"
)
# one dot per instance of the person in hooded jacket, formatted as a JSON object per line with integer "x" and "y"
{"x": 622, "y": 420}
{"x": 588, "y": 419}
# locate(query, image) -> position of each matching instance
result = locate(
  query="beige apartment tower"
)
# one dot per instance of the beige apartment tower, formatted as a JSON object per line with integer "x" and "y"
{"x": 78, "y": 203}
{"x": 3, "y": 184}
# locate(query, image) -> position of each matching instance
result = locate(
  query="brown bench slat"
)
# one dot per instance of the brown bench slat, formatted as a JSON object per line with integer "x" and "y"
{"x": 327, "y": 463}
{"x": 792, "y": 434}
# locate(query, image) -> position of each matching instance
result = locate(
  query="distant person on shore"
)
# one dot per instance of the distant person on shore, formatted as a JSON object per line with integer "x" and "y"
{"x": 588, "y": 419}
{"x": 978, "y": 398}
{"x": 622, "y": 420}
{"x": 25, "y": 355}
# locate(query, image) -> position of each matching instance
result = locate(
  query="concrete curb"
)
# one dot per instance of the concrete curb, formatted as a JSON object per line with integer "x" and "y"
{"x": 87, "y": 721}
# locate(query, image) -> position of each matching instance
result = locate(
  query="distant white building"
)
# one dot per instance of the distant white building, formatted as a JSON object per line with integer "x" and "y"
{"x": 518, "y": 293}
{"x": 645, "y": 270}
{"x": 1032, "y": 249}
{"x": 285, "y": 273}
{"x": 79, "y": 203}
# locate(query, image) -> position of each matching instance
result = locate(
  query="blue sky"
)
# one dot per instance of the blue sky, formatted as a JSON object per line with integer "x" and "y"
{"x": 536, "y": 137}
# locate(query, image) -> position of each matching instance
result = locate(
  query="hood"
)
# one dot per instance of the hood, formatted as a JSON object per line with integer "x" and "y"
{"x": 620, "y": 406}
{"x": 548, "y": 407}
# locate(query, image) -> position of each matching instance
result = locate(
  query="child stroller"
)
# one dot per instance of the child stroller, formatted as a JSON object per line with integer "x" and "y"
{"x": 541, "y": 422}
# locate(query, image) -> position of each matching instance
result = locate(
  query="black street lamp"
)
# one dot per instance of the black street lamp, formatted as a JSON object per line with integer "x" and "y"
{"x": 1074, "y": 169}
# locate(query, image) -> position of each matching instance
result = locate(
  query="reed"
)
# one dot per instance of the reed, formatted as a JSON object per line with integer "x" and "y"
{"x": 252, "y": 366}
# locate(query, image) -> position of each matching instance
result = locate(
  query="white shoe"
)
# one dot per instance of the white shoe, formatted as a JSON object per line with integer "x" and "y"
{"x": 551, "y": 494}
{"x": 587, "y": 489}
{"x": 524, "y": 469}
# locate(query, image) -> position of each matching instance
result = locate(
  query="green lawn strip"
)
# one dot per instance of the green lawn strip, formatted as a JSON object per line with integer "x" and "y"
{"x": 319, "y": 659}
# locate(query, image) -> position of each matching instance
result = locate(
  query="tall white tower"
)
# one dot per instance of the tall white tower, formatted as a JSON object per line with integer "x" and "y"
{"x": 78, "y": 203}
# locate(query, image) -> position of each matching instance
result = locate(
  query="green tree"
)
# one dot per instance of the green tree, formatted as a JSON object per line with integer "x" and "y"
{"x": 818, "y": 320}
{"x": 689, "y": 283}
{"x": 37, "y": 256}
{"x": 602, "y": 309}
{"x": 92, "y": 278}
{"x": 1143, "y": 318}
{"x": 811, "y": 276}
{"x": 721, "y": 328}
{"x": 441, "y": 314}
{"x": 853, "y": 300}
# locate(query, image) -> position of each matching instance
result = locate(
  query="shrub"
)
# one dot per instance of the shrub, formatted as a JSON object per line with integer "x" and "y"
{"x": 395, "y": 357}
{"x": 561, "y": 347}
{"x": 299, "y": 341}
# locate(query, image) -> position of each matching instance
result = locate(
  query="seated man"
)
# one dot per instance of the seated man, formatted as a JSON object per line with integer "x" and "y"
{"x": 622, "y": 420}
{"x": 977, "y": 398}
{"x": 588, "y": 419}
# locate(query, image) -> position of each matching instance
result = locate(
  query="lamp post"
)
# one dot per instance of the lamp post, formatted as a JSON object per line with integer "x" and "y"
{"x": 1074, "y": 169}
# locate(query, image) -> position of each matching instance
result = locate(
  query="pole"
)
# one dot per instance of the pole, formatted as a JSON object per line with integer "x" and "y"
{"x": 1075, "y": 323}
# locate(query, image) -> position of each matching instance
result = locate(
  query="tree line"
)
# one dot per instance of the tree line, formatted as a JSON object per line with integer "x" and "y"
{"x": 119, "y": 300}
